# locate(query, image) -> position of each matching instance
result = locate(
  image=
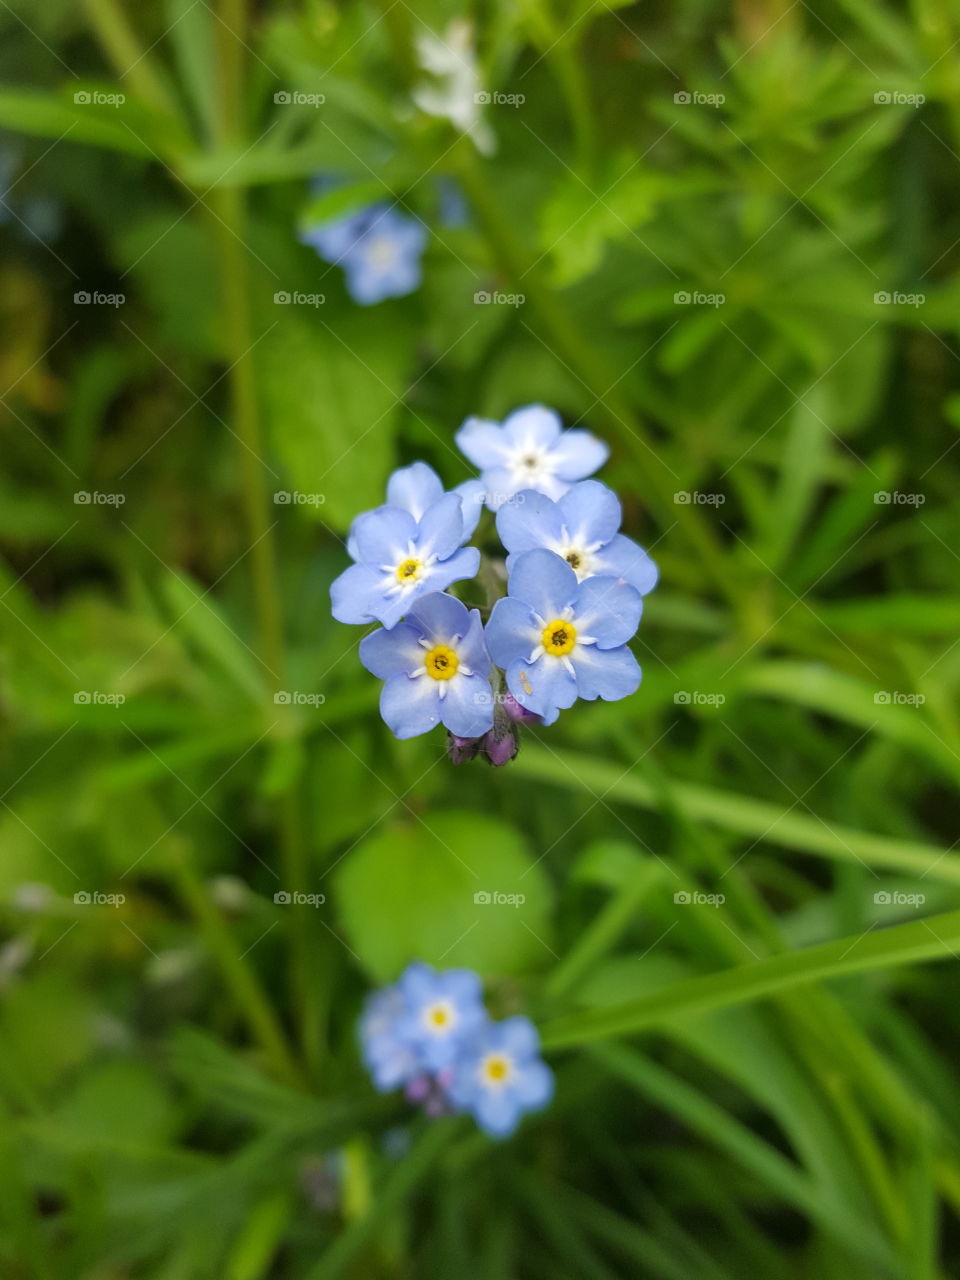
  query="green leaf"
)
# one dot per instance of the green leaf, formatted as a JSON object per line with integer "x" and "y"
{"x": 742, "y": 814}
{"x": 933, "y": 939}
{"x": 428, "y": 890}
{"x": 332, "y": 393}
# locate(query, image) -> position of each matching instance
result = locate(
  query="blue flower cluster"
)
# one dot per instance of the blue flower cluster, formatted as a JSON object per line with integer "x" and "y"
{"x": 430, "y": 1034}
{"x": 574, "y": 588}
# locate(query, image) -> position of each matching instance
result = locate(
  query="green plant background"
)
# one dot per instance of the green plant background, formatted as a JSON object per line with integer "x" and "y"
{"x": 758, "y": 1086}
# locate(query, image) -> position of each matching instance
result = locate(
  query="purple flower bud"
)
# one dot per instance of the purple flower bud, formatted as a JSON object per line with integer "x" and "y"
{"x": 418, "y": 1088}
{"x": 517, "y": 713}
{"x": 460, "y": 750}
{"x": 500, "y": 749}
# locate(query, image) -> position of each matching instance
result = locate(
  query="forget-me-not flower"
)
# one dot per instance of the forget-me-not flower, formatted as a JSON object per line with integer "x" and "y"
{"x": 559, "y": 639}
{"x": 436, "y": 669}
{"x": 379, "y": 249}
{"x": 400, "y": 559}
{"x": 529, "y": 450}
{"x": 416, "y": 488}
{"x": 581, "y": 527}
{"x": 499, "y": 1075}
{"x": 442, "y": 1011}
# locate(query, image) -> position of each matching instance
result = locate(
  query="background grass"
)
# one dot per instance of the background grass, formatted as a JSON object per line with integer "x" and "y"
{"x": 740, "y": 923}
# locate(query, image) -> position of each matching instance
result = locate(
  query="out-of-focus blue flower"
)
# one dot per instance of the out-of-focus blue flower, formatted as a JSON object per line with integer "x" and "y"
{"x": 581, "y": 527}
{"x": 400, "y": 559}
{"x": 443, "y": 1010}
{"x": 559, "y": 639}
{"x": 436, "y": 670}
{"x": 499, "y": 1075}
{"x": 529, "y": 450}
{"x": 379, "y": 249}
{"x": 387, "y": 1055}
{"x": 416, "y": 488}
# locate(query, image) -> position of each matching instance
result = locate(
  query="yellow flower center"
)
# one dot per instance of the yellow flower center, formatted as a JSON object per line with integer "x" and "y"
{"x": 573, "y": 559}
{"x": 408, "y": 570}
{"x": 559, "y": 637}
{"x": 496, "y": 1068}
{"x": 441, "y": 663}
{"x": 439, "y": 1016}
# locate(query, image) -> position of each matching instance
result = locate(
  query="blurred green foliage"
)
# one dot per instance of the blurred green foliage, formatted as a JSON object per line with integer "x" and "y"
{"x": 734, "y": 229}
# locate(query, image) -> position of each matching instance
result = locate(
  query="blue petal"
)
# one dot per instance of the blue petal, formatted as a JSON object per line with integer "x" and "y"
{"x": 471, "y": 496}
{"x": 382, "y": 536}
{"x": 410, "y": 707}
{"x": 625, "y": 559}
{"x": 591, "y": 512}
{"x": 545, "y": 686}
{"x": 467, "y": 706}
{"x": 534, "y": 1085}
{"x": 511, "y": 632}
{"x": 414, "y": 488}
{"x": 417, "y": 983}
{"x": 441, "y": 528}
{"x": 544, "y": 581}
{"x": 357, "y": 595}
{"x": 498, "y": 1113}
{"x": 439, "y": 617}
{"x": 483, "y": 442}
{"x": 473, "y": 650}
{"x": 532, "y": 425}
{"x": 578, "y": 454}
{"x": 528, "y": 520}
{"x": 462, "y": 986}
{"x": 609, "y": 674}
{"x": 462, "y": 564}
{"x": 607, "y": 609}
{"x": 392, "y": 653}
{"x": 516, "y": 1036}
{"x": 499, "y": 486}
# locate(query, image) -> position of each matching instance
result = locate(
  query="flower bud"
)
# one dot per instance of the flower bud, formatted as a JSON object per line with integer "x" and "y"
{"x": 500, "y": 747}
{"x": 460, "y": 750}
{"x": 517, "y": 713}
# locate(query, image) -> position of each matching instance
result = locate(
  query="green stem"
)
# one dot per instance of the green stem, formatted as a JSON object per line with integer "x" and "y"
{"x": 240, "y": 979}
{"x": 130, "y": 60}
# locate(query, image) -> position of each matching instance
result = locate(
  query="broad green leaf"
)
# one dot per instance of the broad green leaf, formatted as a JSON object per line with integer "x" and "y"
{"x": 446, "y": 890}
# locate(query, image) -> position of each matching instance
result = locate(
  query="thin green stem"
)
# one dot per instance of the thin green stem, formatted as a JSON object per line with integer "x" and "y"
{"x": 240, "y": 979}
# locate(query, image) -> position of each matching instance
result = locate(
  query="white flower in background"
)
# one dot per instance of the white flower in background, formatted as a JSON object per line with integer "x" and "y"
{"x": 453, "y": 91}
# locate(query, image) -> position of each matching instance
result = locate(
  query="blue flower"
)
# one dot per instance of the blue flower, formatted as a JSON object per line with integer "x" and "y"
{"x": 442, "y": 1011}
{"x": 499, "y": 1075}
{"x": 378, "y": 248}
{"x": 530, "y": 450}
{"x": 400, "y": 559}
{"x": 436, "y": 670}
{"x": 416, "y": 488}
{"x": 388, "y": 1057}
{"x": 581, "y": 527}
{"x": 559, "y": 639}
